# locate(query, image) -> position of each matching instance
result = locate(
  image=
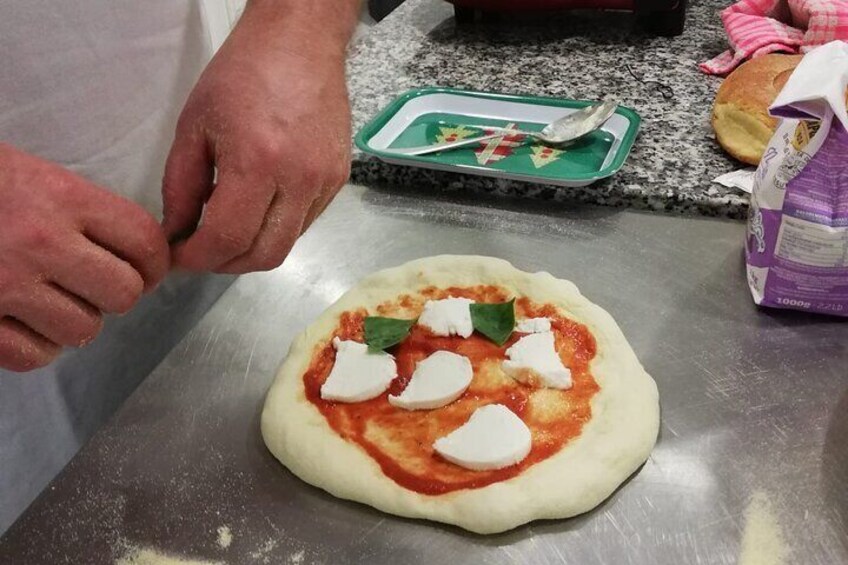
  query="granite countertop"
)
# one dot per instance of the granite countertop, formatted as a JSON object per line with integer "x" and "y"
{"x": 573, "y": 55}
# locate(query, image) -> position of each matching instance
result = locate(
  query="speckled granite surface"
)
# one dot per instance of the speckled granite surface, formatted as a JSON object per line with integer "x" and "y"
{"x": 576, "y": 55}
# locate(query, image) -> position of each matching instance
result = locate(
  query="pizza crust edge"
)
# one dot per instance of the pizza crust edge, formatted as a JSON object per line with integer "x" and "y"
{"x": 612, "y": 445}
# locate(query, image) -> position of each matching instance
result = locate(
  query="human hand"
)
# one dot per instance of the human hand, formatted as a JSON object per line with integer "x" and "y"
{"x": 69, "y": 251}
{"x": 270, "y": 114}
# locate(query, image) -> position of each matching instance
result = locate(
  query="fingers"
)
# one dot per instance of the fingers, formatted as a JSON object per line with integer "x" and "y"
{"x": 60, "y": 317}
{"x": 97, "y": 276}
{"x": 186, "y": 185}
{"x": 284, "y": 221}
{"x": 337, "y": 176}
{"x": 68, "y": 250}
{"x": 318, "y": 206}
{"x": 127, "y": 231}
{"x": 22, "y": 349}
{"x": 232, "y": 220}
{"x": 281, "y": 228}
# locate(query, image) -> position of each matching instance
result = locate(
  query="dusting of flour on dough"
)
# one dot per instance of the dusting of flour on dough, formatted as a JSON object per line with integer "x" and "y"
{"x": 297, "y": 558}
{"x": 762, "y": 539}
{"x": 225, "y": 537}
{"x": 148, "y": 556}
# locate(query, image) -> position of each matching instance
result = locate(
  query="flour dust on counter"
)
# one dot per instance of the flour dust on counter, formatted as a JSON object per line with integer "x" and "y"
{"x": 763, "y": 542}
{"x": 539, "y": 432}
{"x": 225, "y": 537}
{"x": 150, "y": 556}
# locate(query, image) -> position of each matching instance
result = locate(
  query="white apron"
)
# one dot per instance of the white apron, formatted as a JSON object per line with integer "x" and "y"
{"x": 97, "y": 85}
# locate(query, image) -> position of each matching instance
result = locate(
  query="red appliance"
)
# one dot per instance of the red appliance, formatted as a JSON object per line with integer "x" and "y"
{"x": 662, "y": 17}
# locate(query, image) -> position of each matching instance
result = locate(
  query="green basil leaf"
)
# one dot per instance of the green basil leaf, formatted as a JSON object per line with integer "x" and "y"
{"x": 495, "y": 321}
{"x": 382, "y": 333}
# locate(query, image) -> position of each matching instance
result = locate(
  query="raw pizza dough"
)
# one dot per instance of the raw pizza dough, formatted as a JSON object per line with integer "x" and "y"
{"x": 613, "y": 444}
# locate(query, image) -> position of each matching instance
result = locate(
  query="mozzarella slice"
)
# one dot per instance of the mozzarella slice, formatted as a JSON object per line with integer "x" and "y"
{"x": 438, "y": 380}
{"x": 534, "y": 358}
{"x": 358, "y": 374}
{"x": 450, "y": 316}
{"x": 493, "y": 438}
{"x": 534, "y": 325}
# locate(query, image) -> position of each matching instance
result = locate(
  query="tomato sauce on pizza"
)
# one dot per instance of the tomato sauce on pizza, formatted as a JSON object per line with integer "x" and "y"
{"x": 401, "y": 441}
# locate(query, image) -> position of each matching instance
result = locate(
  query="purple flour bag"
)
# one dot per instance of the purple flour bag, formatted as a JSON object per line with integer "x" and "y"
{"x": 796, "y": 249}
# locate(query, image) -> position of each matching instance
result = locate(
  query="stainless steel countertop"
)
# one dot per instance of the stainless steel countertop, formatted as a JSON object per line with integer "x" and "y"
{"x": 754, "y": 407}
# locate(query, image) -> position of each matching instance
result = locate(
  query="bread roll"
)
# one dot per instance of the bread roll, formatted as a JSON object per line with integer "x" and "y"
{"x": 740, "y": 114}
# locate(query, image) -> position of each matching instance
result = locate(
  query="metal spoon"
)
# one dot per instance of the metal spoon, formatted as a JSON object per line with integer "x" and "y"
{"x": 564, "y": 130}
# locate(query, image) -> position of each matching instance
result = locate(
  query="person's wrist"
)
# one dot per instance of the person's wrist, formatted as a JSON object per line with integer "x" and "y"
{"x": 316, "y": 31}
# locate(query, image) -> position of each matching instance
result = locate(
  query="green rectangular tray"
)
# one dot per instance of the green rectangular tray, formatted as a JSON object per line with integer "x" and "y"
{"x": 434, "y": 115}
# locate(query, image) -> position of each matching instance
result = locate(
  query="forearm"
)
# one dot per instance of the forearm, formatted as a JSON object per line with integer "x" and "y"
{"x": 312, "y": 29}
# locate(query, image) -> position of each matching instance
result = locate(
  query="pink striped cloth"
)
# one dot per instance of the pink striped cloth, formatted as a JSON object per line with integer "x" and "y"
{"x": 757, "y": 27}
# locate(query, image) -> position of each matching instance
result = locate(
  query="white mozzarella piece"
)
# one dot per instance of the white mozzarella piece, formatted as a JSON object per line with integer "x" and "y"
{"x": 493, "y": 438}
{"x": 536, "y": 354}
{"x": 438, "y": 380}
{"x": 358, "y": 374}
{"x": 534, "y": 325}
{"x": 450, "y": 316}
